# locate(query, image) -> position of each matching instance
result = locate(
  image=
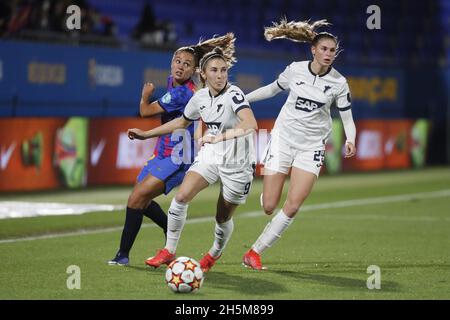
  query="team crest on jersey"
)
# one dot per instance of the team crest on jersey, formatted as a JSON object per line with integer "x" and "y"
{"x": 166, "y": 98}
{"x": 307, "y": 105}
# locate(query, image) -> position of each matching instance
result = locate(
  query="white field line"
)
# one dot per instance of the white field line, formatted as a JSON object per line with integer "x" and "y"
{"x": 312, "y": 207}
{"x": 22, "y": 209}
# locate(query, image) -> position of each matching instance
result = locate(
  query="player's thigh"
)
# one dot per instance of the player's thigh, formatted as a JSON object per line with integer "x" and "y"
{"x": 146, "y": 190}
{"x": 300, "y": 186}
{"x": 192, "y": 184}
{"x": 272, "y": 189}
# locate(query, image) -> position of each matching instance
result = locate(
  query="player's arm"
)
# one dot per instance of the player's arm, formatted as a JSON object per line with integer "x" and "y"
{"x": 246, "y": 126}
{"x": 265, "y": 92}
{"x": 344, "y": 105}
{"x": 198, "y": 133}
{"x": 350, "y": 132}
{"x": 168, "y": 127}
{"x": 147, "y": 109}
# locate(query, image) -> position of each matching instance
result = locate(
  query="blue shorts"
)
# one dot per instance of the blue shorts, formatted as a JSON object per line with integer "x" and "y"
{"x": 164, "y": 169}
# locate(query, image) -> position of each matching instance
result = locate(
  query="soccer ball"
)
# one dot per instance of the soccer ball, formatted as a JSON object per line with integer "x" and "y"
{"x": 184, "y": 275}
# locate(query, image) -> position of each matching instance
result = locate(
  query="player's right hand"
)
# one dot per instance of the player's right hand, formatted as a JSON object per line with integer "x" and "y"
{"x": 350, "y": 150}
{"x": 136, "y": 133}
{"x": 148, "y": 89}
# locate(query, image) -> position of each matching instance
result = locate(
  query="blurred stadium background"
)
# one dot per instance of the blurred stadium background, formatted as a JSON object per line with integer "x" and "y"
{"x": 67, "y": 98}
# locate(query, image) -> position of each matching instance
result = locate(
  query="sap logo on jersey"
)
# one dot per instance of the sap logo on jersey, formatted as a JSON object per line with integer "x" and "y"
{"x": 214, "y": 127}
{"x": 307, "y": 105}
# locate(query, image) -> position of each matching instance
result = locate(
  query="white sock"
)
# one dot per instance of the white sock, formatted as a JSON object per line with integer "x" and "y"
{"x": 272, "y": 232}
{"x": 222, "y": 233}
{"x": 175, "y": 222}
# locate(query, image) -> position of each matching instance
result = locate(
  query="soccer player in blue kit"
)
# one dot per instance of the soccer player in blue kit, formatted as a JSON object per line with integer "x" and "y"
{"x": 161, "y": 173}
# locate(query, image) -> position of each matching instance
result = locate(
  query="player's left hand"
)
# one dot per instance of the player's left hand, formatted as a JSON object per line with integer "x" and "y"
{"x": 147, "y": 90}
{"x": 136, "y": 133}
{"x": 350, "y": 150}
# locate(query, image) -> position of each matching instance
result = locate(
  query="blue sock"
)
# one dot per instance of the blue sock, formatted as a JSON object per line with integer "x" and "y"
{"x": 157, "y": 215}
{"x": 133, "y": 222}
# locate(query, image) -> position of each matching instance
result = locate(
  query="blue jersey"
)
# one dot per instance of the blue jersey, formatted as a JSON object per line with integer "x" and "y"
{"x": 173, "y": 103}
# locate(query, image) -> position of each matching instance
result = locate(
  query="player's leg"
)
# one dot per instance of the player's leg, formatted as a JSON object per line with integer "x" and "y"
{"x": 172, "y": 178}
{"x": 222, "y": 232}
{"x": 137, "y": 206}
{"x": 192, "y": 184}
{"x": 277, "y": 162}
{"x": 142, "y": 198}
{"x": 272, "y": 189}
{"x": 236, "y": 184}
{"x": 300, "y": 187}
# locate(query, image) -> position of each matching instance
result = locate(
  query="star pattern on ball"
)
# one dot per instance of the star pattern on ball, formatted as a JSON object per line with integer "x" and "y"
{"x": 176, "y": 280}
{"x": 189, "y": 265}
{"x": 195, "y": 284}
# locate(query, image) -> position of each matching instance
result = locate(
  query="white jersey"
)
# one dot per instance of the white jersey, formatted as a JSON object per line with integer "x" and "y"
{"x": 305, "y": 120}
{"x": 219, "y": 113}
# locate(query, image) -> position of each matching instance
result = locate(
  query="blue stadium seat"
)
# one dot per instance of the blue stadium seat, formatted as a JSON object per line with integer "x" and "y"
{"x": 401, "y": 19}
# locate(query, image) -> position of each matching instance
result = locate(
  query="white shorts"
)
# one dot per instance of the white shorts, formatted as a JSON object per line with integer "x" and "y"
{"x": 236, "y": 180}
{"x": 280, "y": 157}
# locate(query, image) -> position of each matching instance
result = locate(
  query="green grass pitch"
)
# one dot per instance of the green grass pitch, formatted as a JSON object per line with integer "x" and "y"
{"x": 401, "y": 224}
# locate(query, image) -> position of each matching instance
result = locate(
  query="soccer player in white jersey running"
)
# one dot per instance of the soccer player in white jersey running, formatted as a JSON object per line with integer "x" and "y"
{"x": 301, "y": 129}
{"x": 227, "y": 154}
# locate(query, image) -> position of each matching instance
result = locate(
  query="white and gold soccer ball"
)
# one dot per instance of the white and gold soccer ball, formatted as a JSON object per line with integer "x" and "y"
{"x": 184, "y": 275}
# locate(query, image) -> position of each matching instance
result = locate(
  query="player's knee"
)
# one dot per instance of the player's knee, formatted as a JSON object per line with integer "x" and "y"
{"x": 222, "y": 219}
{"x": 182, "y": 197}
{"x": 136, "y": 200}
{"x": 269, "y": 207}
{"x": 291, "y": 207}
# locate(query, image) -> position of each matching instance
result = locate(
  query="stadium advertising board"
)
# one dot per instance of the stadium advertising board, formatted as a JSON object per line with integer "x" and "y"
{"x": 42, "y": 153}
{"x": 74, "y": 152}
{"x": 389, "y": 144}
{"x": 41, "y": 78}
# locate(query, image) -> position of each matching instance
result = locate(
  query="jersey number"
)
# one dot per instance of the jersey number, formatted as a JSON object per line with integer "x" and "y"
{"x": 247, "y": 188}
{"x": 319, "y": 156}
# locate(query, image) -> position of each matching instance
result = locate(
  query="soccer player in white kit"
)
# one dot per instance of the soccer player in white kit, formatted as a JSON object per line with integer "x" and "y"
{"x": 227, "y": 154}
{"x": 301, "y": 129}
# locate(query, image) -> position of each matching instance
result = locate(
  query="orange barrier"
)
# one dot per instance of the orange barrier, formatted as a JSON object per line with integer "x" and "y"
{"x": 51, "y": 153}
{"x": 27, "y": 149}
{"x": 381, "y": 144}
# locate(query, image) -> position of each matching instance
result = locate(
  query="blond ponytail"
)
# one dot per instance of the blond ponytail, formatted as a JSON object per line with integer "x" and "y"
{"x": 225, "y": 43}
{"x": 298, "y": 31}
